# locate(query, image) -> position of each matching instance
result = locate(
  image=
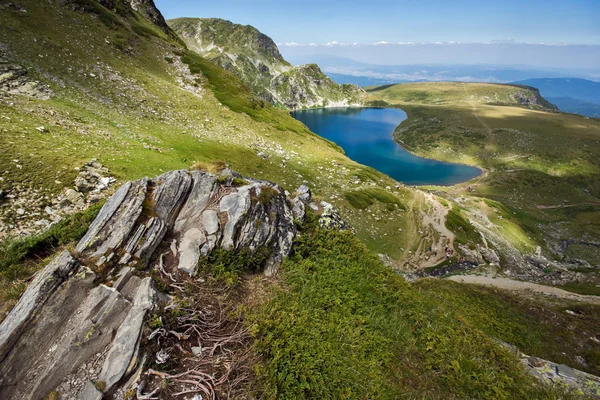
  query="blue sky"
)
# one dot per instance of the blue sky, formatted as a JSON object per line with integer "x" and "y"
{"x": 350, "y": 21}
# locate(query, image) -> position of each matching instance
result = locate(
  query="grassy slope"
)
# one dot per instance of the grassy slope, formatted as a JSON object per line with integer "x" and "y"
{"x": 138, "y": 121}
{"x": 344, "y": 326}
{"x": 538, "y": 162}
{"x": 136, "y": 118}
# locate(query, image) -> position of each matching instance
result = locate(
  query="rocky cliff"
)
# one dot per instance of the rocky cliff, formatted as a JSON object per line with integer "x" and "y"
{"x": 255, "y": 58}
{"x": 79, "y": 323}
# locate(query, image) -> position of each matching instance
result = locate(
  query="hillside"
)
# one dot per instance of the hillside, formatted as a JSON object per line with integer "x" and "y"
{"x": 573, "y": 95}
{"x": 540, "y": 192}
{"x": 146, "y": 106}
{"x": 167, "y": 233}
{"x": 440, "y": 93}
{"x": 255, "y": 58}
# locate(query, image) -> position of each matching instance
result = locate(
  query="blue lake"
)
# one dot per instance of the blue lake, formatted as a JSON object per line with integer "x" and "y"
{"x": 365, "y": 134}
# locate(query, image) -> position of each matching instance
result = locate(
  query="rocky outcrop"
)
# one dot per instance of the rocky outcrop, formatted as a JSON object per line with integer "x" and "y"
{"x": 62, "y": 322}
{"x": 15, "y": 80}
{"x": 196, "y": 212}
{"x": 306, "y": 86}
{"x": 91, "y": 185}
{"x": 76, "y": 332}
{"x": 148, "y": 9}
{"x": 532, "y": 98}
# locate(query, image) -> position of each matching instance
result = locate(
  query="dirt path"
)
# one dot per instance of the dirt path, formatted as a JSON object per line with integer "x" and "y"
{"x": 510, "y": 284}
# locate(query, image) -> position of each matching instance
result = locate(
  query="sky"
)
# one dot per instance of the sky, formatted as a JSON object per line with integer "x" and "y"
{"x": 319, "y": 25}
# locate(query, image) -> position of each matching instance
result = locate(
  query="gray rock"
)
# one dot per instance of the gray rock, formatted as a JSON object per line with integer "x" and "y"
{"x": 15, "y": 80}
{"x": 565, "y": 371}
{"x": 299, "y": 210}
{"x": 210, "y": 221}
{"x": 114, "y": 223}
{"x": 304, "y": 194}
{"x": 65, "y": 320}
{"x": 120, "y": 357}
{"x": 331, "y": 219}
{"x": 42, "y": 287}
{"x": 90, "y": 392}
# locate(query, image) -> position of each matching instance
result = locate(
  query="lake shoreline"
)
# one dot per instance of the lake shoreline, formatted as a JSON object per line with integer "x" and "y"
{"x": 402, "y": 163}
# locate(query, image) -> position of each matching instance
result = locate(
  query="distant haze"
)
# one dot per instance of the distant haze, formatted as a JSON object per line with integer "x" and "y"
{"x": 579, "y": 57}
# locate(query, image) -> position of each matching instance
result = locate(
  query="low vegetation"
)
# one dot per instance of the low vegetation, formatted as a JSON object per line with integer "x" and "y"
{"x": 465, "y": 232}
{"x": 345, "y": 326}
{"x": 238, "y": 97}
{"x": 559, "y": 331}
{"x": 361, "y": 199}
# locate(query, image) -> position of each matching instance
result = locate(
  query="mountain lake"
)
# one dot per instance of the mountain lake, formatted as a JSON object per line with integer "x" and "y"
{"x": 365, "y": 134}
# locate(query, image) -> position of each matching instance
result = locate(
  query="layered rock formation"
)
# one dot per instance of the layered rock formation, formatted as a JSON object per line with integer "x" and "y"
{"x": 77, "y": 329}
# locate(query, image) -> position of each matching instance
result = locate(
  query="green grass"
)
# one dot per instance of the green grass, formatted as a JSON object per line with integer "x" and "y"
{"x": 589, "y": 289}
{"x": 465, "y": 232}
{"x": 438, "y": 93}
{"x": 21, "y": 258}
{"x": 363, "y": 198}
{"x": 68, "y": 230}
{"x": 537, "y": 327}
{"x": 233, "y": 93}
{"x": 345, "y": 326}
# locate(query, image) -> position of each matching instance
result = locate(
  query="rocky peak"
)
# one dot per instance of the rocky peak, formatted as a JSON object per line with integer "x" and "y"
{"x": 148, "y": 9}
{"x": 255, "y": 58}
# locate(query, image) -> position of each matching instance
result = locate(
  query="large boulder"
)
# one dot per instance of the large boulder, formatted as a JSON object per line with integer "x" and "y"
{"x": 196, "y": 212}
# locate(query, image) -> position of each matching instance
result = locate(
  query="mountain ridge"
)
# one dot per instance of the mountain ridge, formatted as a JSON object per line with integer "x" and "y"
{"x": 255, "y": 58}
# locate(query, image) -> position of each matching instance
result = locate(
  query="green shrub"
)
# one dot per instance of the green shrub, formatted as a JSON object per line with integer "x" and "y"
{"x": 462, "y": 228}
{"x": 70, "y": 229}
{"x": 227, "y": 266}
{"x": 364, "y": 198}
{"x": 267, "y": 194}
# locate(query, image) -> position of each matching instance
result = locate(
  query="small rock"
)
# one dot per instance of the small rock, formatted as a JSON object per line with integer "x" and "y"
{"x": 197, "y": 350}
{"x": 20, "y": 211}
